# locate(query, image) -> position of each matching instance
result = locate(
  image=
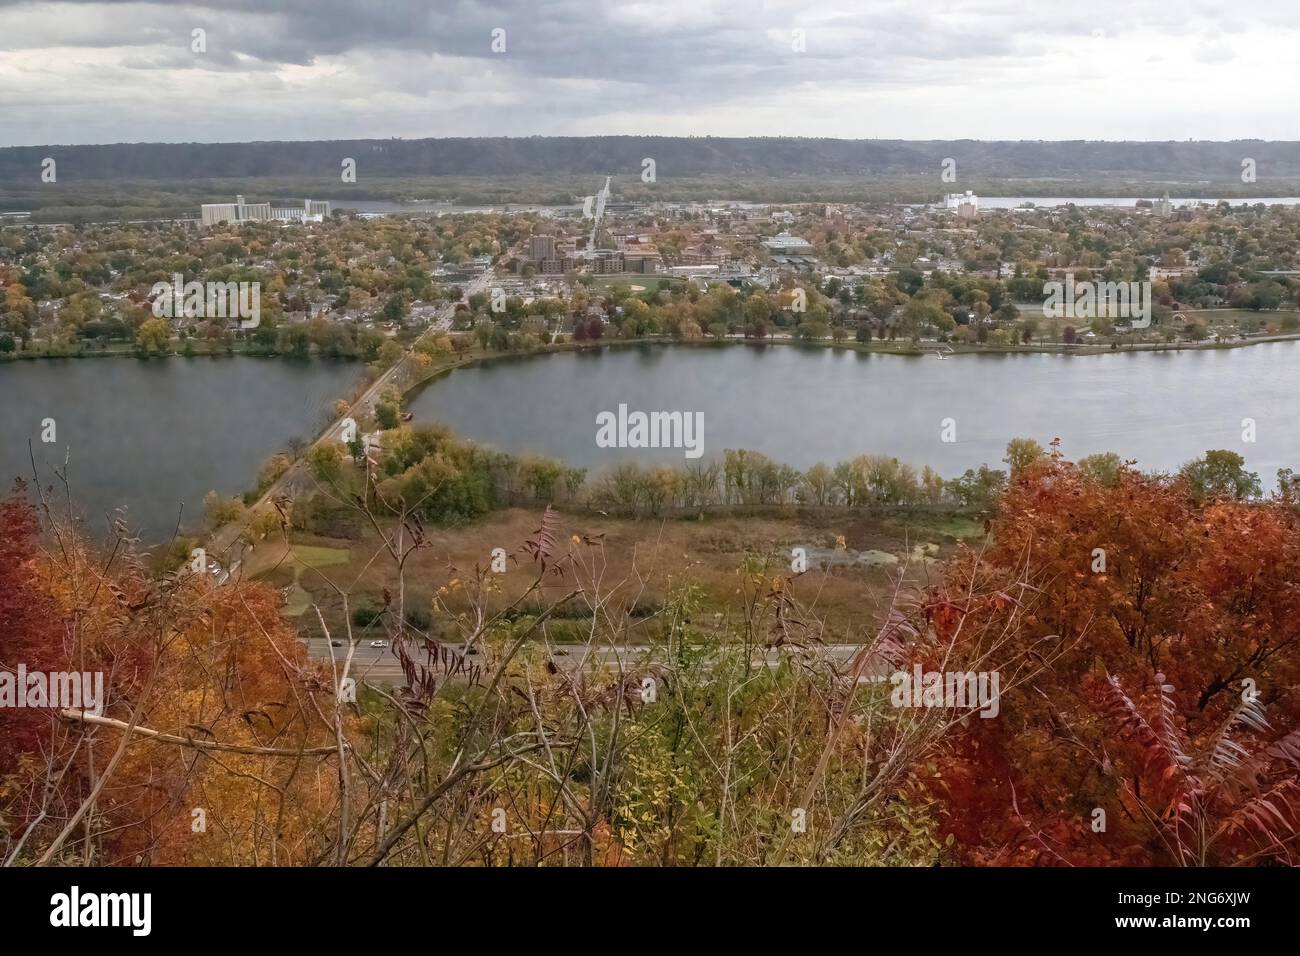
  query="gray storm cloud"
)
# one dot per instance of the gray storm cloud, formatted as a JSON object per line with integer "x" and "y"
{"x": 125, "y": 71}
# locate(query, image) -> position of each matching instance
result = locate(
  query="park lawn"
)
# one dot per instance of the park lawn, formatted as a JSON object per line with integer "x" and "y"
{"x": 315, "y": 556}
{"x": 649, "y": 282}
{"x": 273, "y": 554}
{"x": 283, "y": 565}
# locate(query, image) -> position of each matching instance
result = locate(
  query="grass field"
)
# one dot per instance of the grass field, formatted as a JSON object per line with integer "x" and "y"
{"x": 284, "y": 565}
{"x": 636, "y": 562}
{"x": 604, "y": 283}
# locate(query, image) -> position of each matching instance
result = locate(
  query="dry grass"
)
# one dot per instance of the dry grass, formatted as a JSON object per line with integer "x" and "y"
{"x": 653, "y": 556}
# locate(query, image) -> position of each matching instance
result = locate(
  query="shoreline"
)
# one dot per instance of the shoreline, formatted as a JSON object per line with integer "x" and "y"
{"x": 28, "y": 356}
{"x": 905, "y": 349}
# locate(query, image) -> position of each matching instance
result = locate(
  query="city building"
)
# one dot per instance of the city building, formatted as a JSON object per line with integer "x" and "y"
{"x": 541, "y": 248}
{"x": 239, "y": 211}
{"x": 646, "y": 264}
{"x": 786, "y": 244}
{"x": 606, "y": 262}
{"x": 966, "y": 205}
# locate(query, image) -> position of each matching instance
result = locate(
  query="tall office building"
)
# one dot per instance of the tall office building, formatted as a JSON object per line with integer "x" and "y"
{"x": 541, "y": 247}
{"x": 966, "y": 205}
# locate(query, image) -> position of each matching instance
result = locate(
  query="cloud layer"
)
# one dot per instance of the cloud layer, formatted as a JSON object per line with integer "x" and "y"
{"x": 100, "y": 72}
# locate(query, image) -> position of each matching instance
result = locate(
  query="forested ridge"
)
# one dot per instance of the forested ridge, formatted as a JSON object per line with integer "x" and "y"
{"x": 674, "y": 157}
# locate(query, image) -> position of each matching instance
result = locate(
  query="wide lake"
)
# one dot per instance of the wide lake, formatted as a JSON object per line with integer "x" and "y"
{"x": 802, "y": 405}
{"x": 153, "y": 436}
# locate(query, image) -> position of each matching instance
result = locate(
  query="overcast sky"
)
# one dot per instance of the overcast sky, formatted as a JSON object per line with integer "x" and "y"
{"x": 108, "y": 72}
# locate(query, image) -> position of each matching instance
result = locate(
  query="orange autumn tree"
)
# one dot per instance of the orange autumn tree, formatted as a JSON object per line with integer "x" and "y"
{"x": 48, "y": 769}
{"x": 239, "y": 777}
{"x": 1166, "y": 636}
{"x": 28, "y": 623}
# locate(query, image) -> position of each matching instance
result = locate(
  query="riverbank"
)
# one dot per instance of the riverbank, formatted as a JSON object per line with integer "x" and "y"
{"x": 130, "y": 351}
{"x": 905, "y": 349}
{"x": 876, "y": 347}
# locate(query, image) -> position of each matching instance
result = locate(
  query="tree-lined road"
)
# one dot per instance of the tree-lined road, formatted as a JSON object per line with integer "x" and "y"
{"x": 400, "y": 374}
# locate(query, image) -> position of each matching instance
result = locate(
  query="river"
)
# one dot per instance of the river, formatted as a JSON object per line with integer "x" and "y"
{"x": 153, "y": 435}
{"x": 1013, "y": 202}
{"x": 802, "y": 405}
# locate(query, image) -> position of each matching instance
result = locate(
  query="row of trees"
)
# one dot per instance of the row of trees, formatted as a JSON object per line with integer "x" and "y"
{"x": 457, "y": 480}
{"x": 429, "y": 472}
{"x": 440, "y": 477}
{"x": 746, "y": 477}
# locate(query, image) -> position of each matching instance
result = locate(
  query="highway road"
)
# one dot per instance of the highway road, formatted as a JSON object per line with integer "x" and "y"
{"x": 380, "y": 665}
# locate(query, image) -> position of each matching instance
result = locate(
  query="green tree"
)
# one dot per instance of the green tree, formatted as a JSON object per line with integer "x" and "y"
{"x": 1103, "y": 468}
{"x": 919, "y": 313}
{"x": 357, "y": 449}
{"x": 324, "y": 462}
{"x": 153, "y": 336}
{"x": 1022, "y": 452}
{"x": 1220, "y": 474}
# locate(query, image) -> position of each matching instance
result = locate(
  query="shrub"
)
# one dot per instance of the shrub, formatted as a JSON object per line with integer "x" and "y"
{"x": 365, "y": 615}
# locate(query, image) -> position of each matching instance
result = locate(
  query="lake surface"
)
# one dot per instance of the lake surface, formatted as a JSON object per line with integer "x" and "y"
{"x": 153, "y": 435}
{"x": 804, "y": 405}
